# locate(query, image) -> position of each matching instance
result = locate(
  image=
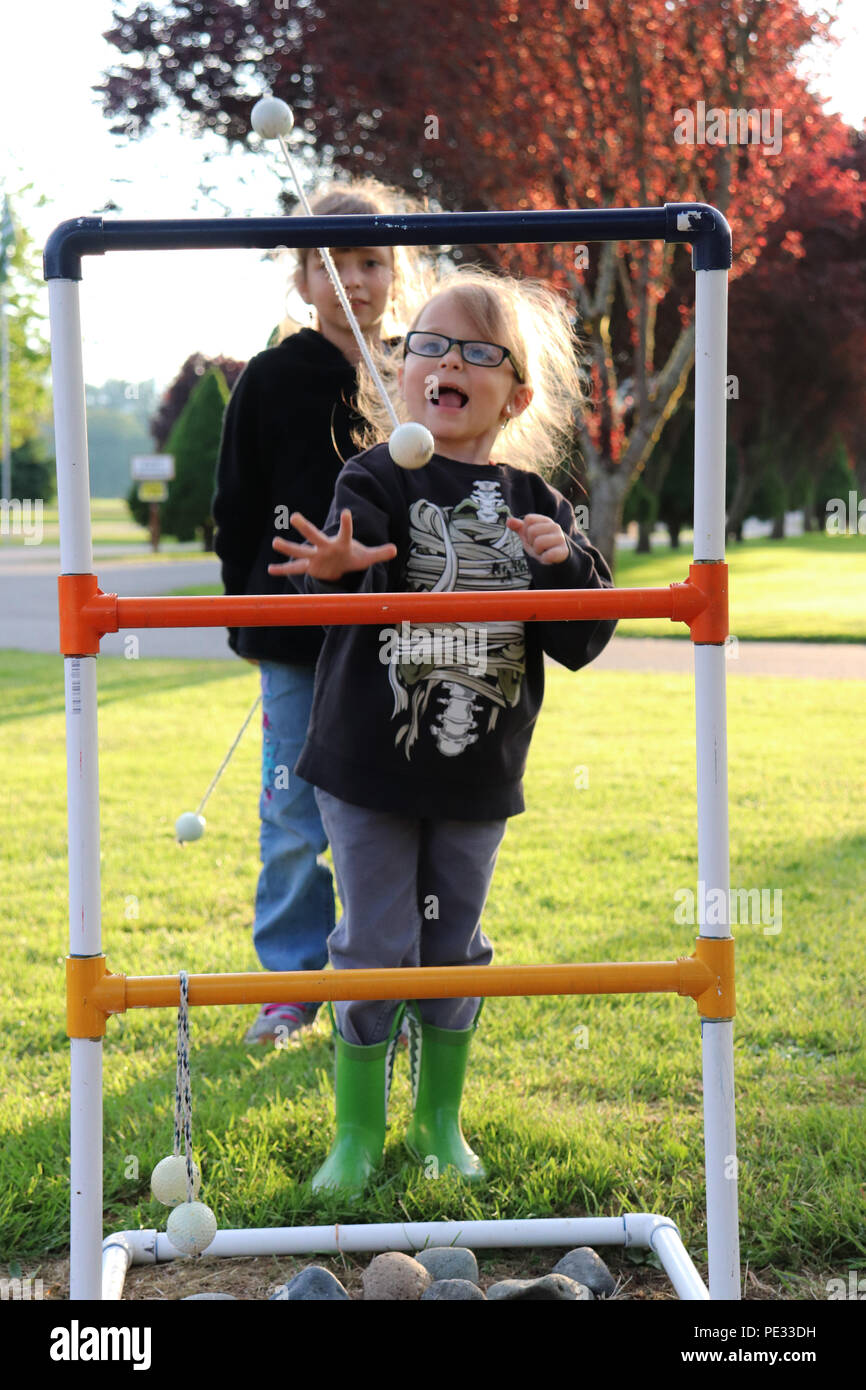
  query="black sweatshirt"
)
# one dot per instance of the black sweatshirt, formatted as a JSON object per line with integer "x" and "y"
{"x": 400, "y": 723}
{"x": 288, "y": 407}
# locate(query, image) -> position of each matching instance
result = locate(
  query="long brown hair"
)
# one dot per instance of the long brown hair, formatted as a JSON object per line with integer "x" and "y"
{"x": 414, "y": 277}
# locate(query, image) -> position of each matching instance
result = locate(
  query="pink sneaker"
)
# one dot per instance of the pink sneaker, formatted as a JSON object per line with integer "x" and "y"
{"x": 277, "y": 1021}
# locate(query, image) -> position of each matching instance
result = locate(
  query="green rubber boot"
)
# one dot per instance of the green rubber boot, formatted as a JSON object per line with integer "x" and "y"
{"x": 437, "y": 1059}
{"x": 362, "y": 1084}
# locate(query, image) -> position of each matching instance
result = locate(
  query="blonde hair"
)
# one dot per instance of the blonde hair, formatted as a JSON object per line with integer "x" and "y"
{"x": 533, "y": 322}
{"x": 413, "y": 273}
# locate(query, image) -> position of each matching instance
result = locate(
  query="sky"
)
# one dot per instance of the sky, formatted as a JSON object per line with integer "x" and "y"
{"x": 144, "y": 313}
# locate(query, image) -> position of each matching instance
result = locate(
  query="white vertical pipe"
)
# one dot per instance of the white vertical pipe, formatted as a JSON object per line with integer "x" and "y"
{"x": 70, "y": 428}
{"x": 712, "y": 785}
{"x": 711, "y": 352}
{"x": 85, "y": 1174}
{"x": 82, "y": 788}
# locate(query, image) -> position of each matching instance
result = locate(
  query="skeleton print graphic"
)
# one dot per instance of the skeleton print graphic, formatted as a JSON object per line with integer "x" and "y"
{"x": 466, "y": 547}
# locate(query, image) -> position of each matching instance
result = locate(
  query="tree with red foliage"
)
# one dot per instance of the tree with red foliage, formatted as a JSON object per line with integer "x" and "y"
{"x": 524, "y": 107}
{"x": 797, "y": 329}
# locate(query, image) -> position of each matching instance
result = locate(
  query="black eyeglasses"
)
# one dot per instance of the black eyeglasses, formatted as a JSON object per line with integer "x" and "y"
{"x": 477, "y": 354}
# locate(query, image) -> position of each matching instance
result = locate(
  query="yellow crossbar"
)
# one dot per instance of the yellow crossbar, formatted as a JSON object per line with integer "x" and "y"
{"x": 93, "y": 992}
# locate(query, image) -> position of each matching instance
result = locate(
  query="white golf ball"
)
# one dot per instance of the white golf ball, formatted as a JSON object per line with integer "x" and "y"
{"x": 168, "y": 1180}
{"x": 191, "y": 1227}
{"x": 411, "y": 446}
{"x": 189, "y": 826}
{"x": 271, "y": 117}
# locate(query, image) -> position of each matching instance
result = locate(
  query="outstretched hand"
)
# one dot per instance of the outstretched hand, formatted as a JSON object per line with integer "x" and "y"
{"x": 327, "y": 557}
{"x": 541, "y": 537}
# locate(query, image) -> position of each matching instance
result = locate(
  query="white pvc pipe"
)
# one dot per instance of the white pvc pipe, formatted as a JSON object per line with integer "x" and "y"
{"x": 82, "y": 785}
{"x": 85, "y": 1170}
{"x": 678, "y": 1266}
{"x": 720, "y": 1148}
{"x": 712, "y": 785}
{"x": 711, "y": 347}
{"x": 70, "y": 428}
{"x": 82, "y": 791}
{"x": 712, "y": 790}
{"x": 642, "y": 1229}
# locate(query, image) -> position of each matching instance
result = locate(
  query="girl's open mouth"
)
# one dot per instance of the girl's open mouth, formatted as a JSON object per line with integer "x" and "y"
{"x": 450, "y": 398}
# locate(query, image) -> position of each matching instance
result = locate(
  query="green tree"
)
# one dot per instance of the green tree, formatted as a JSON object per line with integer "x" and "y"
{"x": 33, "y": 470}
{"x": 836, "y": 482}
{"x": 194, "y": 444}
{"x": 29, "y": 357}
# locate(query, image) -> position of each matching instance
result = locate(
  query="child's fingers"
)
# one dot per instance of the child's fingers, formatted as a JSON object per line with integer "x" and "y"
{"x": 306, "y": 528}
{"x": 289, "y": 567}
{"x": 290, "y": 547}
{"x": 547, "y": 540}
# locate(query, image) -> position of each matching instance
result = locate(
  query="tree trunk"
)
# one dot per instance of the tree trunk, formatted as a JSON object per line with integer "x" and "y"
{"x": 606, "y": 498}
{"x": 209, "y": 528}
{"x": 674, "y": 532}
{"x": 644, "y": 529}
{"x": 778, "y": 531}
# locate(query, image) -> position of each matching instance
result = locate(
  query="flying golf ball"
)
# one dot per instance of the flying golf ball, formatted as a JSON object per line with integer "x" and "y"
{"x": 191, "y": 1227}
{"x": 411, "y": 446}
{"x": 189, "y": 826}
{"x": 168, "y": 1180}
{"x": 271, "y": 117}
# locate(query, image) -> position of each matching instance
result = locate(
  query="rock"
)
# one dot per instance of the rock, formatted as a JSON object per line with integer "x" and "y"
{"x": 449, "y": 1262}
{"x": 453, "y": 1291}
{"x": 584, "y": 1266}
{"x": 395, "y": 1276}
{"x": 200, "y": 1297}
{"x": 553, "y": 1288}
{"x": 313, "y": 1284}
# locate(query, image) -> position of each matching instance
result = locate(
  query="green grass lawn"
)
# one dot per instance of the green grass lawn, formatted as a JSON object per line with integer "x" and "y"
{"x": 568, "y": 1122}
{"x": 803, "y": 589}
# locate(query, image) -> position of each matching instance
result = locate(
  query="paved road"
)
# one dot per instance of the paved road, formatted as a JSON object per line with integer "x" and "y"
{"x": 28, "y": 622}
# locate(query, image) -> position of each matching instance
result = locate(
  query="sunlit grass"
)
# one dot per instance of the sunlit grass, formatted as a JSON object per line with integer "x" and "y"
{"x": 569, "y": 1122}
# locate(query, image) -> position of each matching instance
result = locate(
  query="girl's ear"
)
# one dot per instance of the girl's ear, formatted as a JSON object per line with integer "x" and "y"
{"x": 300, "y": 278}
{"x": 520, "y": 400}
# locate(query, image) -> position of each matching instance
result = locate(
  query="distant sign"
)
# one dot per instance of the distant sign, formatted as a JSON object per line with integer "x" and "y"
{"x": 151, "y": 491}
{"x": 152, "y": 467}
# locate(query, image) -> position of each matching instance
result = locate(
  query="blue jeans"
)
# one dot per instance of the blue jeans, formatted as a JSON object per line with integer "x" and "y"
{"x": 295, "y": 910}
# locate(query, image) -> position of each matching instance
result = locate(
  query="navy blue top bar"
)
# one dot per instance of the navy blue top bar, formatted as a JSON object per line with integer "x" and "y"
{"x": 698, "y": 223}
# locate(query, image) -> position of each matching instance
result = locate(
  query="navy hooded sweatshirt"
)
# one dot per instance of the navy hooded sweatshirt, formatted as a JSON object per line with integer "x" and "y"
{"x": 400, "y": 723}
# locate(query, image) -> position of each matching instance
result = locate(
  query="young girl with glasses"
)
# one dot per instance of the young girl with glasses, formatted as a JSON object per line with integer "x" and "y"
{"x": 419, "y": 733}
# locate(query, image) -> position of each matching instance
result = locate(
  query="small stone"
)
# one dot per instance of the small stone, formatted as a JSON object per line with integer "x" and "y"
{"x": 584, "y": 1266}
{"x": 200, "y": 1297}
{"x": 449, "y": 1262}
{"x": 453, "y": 1291}
{"x": 552, "y": 1288}
{"x": 313, "y": 1284}
{"x": 395, "y": 1276}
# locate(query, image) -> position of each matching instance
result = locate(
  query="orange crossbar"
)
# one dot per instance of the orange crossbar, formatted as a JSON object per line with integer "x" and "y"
{"x": 86, "y": 613}
{"x": 94, "y": 993}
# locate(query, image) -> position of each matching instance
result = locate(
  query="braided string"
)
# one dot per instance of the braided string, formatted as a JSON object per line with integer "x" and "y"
{"x": 182, "y": 1091}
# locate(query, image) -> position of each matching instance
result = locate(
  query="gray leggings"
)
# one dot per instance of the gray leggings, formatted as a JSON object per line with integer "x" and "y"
{"x": 412, "y": 892}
